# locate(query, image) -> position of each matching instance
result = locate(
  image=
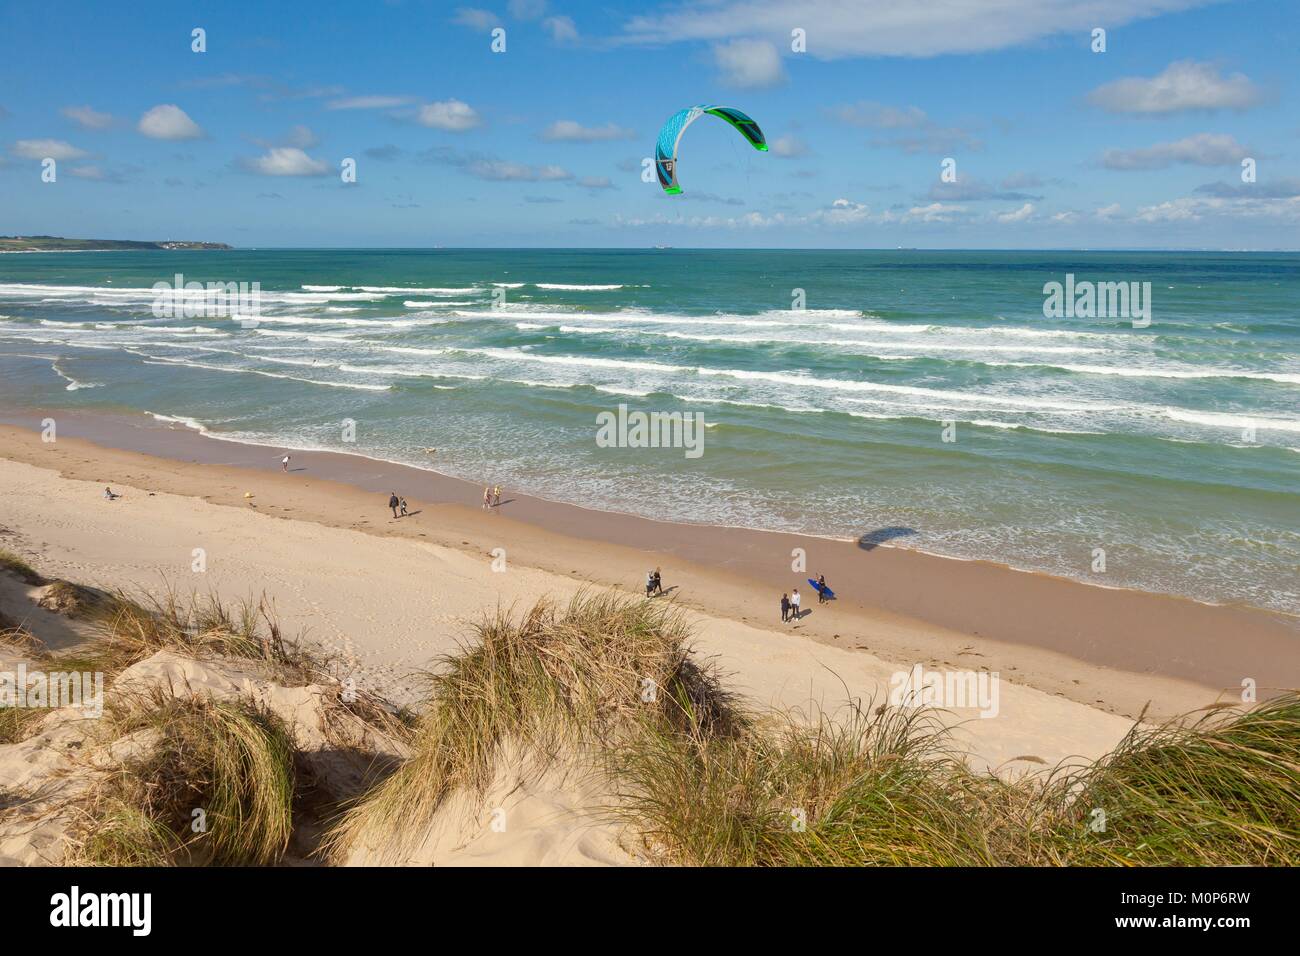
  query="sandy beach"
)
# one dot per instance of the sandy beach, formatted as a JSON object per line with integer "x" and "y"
{"x": 395, "y": 593}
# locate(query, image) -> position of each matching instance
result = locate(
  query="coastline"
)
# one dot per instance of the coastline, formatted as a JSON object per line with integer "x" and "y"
{"x": 1110, "y": 649}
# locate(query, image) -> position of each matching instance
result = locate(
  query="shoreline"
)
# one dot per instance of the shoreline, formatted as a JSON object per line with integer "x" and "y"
{"x": 1106, "y": 647}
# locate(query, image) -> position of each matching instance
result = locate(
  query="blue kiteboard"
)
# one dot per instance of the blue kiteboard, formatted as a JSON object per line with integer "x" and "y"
{"x": 824, "y": 590}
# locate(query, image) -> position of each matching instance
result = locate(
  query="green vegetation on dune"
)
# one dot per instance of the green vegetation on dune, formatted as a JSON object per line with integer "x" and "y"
{"x": 216, "y": 786}
{"x": 606, "y": 686}
{"x": 11, "y": 563}
{"x": 59, "y": 244}
{"x": 701, "y": 782}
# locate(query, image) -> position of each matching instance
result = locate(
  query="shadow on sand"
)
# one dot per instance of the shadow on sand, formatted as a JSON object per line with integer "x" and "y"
{"x": 872, "y": 539}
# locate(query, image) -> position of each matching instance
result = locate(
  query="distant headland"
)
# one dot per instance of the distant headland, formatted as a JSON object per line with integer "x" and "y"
{"x": 59, "y": 244}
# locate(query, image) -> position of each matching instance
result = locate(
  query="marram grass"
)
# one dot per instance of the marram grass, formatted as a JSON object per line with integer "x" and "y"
{"x": 696, "y": 781}
{"x": 692, "y": 776}
{"x": 549, "y": 684}
{"x": 214, "y": 783}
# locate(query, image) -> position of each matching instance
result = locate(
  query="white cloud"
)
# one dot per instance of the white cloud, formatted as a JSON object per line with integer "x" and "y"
{"x": 1184, "y": 85}
{"x": 475, "y": 19}
{"x": 749, "y": 64}
{"x": 595, "y": 182}
{"x": 493, "y": 169}
{"x": 302, "y": 137}
{"x": 1108, "y": 213}
{"x": 95, "y": 174}
{"x": 368, "y": 102}
{"x": 1020, "y": 215}
{"x": 287, "y": 161}
{"x": 1196, "y": 208}
{"x": 168, "y": 121}
{"x": 451, "y": 115}
{"x": 878, "y": 116}
{"x": 1203, "y": 149}
{"x": 526, "y": 9}
{"x": 837, "y": 28}
{"x": 842, "y": 212}
{"x": 562, "y": 29}
{"x": 934, "y": 212}
{"x": 750, "y": 220}
{"x": 570, "y": 131}
{"x": 918, "y": 132}
{"x": 56, "y": 149}
{"x": 87, "y": 118}
{"x": 788, "y": 147}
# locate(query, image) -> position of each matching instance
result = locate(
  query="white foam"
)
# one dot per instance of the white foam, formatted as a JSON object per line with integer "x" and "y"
{"x": 159, "y": 360}
{"x": 577, "y": 288}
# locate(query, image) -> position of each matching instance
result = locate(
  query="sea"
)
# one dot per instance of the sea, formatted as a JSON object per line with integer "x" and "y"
{"x": 921, "y": 399}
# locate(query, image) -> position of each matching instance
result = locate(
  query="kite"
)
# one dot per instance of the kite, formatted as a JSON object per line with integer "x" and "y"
{"x": 671, "y": 135}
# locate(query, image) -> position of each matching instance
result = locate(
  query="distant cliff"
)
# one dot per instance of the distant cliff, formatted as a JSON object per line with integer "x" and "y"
{"x": 59, "y": 244}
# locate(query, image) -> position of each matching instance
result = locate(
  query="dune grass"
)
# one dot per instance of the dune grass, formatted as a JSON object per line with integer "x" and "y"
{"x": 1221, "y": 791}
{"x": 859, "y": 788}
{"x": 214, "y": 784}
{"x": 607, "y": 684}
{"x": 701, "y": 782}
{"x": 135, "y": 628}
{"x": 18, "y": 566}
{"x": 17, "y": 723}
{"x": 552, "y": 684}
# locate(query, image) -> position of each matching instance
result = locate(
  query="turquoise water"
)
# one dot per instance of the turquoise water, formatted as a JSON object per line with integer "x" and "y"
{"x": 1175, "y": 447}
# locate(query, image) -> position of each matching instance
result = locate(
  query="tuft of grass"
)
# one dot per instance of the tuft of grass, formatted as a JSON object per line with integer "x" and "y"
{"x": 228, "y": 759}
{"x": 203, "y": 627}
{"x": 1221, "y": 791}
{"x": 17, "y": 566}
{"x": 18, "y": 723}
{"x": 874, "y": 787}
{"x": 701, "y": 782}
{"x": 552, "y": 683}
{"x": 74, "y": 600}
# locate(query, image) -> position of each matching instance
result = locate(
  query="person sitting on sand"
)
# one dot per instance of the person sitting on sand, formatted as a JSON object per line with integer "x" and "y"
{"x": 109, "y": 494}
{"x": 402, "y": 506}
{"x": 795, "y": 610}
{"x": 393, "y": 502}
{"x": 785, "y": 608}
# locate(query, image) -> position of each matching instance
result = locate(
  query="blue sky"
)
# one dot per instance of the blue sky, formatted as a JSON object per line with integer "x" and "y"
{"x": 1055, "y": 145}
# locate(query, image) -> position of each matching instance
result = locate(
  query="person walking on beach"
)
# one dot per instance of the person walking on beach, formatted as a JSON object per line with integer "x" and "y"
{"x": 785, "y": 608}
{"x": 402, "y": 505}
{"x": 795, "y": 610}
{"x": 496, "y": 496}
{"x": 393, "y": 502}
{"x": 658, "y": 582}
{"x": 649, "y": 583}
{"x": 821, "y": 589}
{"x": 487, "y": 497}
{"x": 284, "y": 464}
